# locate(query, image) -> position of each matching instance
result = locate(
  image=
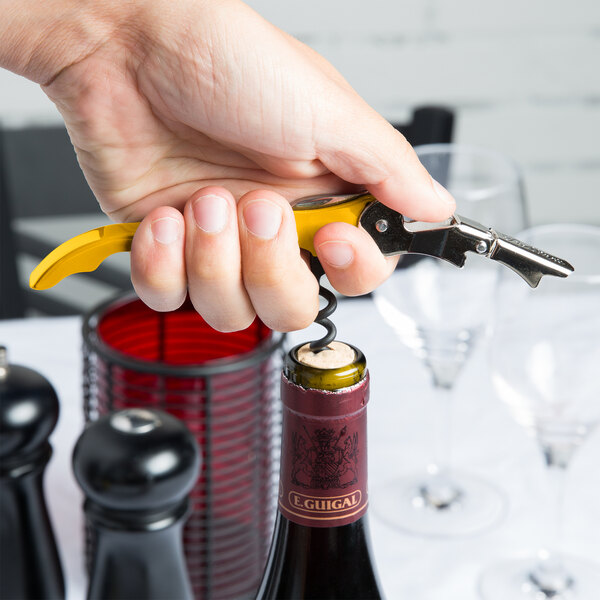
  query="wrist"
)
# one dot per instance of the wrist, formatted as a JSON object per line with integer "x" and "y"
{"x": 39, "y": 39}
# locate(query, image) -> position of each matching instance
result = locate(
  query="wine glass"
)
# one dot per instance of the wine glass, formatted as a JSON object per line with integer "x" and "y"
{"x": 545, "y": 355}
{"x": 441, "y": 312}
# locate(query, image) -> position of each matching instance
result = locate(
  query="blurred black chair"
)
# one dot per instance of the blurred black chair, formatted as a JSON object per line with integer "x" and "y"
{"x": 40, "y": 178}
{"x": 11, "y": 301}
{"x": 429, "y": 125}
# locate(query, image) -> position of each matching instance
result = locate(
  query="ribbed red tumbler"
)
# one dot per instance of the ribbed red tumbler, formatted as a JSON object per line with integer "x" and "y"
{"x": 224, "y": 386}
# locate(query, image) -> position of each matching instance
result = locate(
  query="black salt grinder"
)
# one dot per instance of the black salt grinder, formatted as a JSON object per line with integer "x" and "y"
{"x": 136, "y": 468}
{"x": 29, "y": 563}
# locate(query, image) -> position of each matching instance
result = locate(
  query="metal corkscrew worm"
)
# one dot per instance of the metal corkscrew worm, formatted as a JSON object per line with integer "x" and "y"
{"x": 322, "y": 316}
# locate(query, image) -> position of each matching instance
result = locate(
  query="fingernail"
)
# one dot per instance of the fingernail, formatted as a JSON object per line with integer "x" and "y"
{"x": 337, "y": 254}
{"x": 210, "y": 213}
{"x": 442, "y": 193}
{"x": 263, "y": 218}
{"x": 165, "y": 230}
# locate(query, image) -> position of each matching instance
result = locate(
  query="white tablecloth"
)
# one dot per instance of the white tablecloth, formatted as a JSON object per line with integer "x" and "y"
{"x": 486, "y": 443}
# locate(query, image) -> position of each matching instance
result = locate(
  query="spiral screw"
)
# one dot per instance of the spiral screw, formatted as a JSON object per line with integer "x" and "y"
{"x": 322, "y": 316}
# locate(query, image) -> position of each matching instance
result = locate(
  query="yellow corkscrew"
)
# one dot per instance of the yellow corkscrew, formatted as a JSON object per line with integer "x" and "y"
{"x": 85, "y": 252}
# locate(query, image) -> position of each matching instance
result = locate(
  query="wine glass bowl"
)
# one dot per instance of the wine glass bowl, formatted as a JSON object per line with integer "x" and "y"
{"x": 547, "y": 341}
{"x": 481, "y": 180}
{"x": 440, "y": 313}
{"x": 544, "y": 358}
{"x": 437, "y": 316}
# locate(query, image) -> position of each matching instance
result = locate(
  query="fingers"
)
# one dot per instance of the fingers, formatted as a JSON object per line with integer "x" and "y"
{"x": 213, "y": 259}
{"x": 157, "y": 259}
{"x": 362, "y": 147}
{"x": 245, "y": 260}
{"x": 353, "y": 263}
{"x": 282, "y": 289}
{"x": 235, "y": 262}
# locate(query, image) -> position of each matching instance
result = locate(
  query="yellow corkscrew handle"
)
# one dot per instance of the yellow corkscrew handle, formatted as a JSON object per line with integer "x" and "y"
{"x": 85, "y": 252}
{"x": 82, "y": 253}
{"x": 310, "y": 220}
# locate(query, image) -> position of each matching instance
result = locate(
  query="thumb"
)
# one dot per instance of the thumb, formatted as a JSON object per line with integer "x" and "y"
{"x": 360, "y": 146}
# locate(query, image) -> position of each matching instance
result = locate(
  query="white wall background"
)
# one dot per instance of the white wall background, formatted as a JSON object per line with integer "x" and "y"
{"x": 523, "y": 76}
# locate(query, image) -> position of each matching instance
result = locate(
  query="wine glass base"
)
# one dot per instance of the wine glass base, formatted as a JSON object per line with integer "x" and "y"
{"x": 515, "y": 579}
{"x": 404, "y": 503}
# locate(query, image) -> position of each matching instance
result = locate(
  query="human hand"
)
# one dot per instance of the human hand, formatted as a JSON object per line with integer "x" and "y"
{"x": 205, "y": 120}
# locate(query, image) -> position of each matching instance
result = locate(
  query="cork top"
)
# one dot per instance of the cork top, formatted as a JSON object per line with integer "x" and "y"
{"x": 334, "y": 356}
{"x": 319, "y": 370}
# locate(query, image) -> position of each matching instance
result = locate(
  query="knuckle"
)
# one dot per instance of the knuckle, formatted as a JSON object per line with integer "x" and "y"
{"x": 353, "y": 287}
{"x": 228, "y": 323}
{"x": 162, "y": 302}
{"x": 211, "y": 271}
{"x": 158, "y": 281}
{"x": 232, "y": 326}
{"x": 223, "y": 309}
{"x": 286, "y": 322}
{"x": 266, "y": 276}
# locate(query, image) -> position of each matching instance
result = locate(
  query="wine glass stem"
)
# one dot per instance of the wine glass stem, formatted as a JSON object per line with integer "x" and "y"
{"x": 557, "y": 476}
{"x": 550, "y": 575}
{"x": 439, "y": 491}
{"x": 442, "y": 429}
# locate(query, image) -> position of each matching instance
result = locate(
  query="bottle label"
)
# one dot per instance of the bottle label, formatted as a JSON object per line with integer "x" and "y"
{"x": 324, "y": 464}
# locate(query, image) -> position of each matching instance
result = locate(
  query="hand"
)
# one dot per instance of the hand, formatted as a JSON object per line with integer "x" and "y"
{"x": 204, "y": 120}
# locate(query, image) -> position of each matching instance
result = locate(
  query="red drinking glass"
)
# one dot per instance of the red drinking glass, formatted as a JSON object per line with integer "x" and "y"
{"x": 224, "y": 386}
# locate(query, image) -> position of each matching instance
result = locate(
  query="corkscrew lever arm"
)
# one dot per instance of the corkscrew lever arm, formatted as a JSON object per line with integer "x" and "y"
{"x": 392, "y": 232}
{"x": 452, "y": 239}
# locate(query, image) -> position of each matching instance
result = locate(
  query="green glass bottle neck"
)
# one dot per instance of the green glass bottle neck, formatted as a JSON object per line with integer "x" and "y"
{"x": 324, "y": 379}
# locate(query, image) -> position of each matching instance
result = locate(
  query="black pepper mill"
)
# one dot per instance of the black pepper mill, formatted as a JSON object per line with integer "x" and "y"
{"x": 136, "y": 468}
{"x": 29, "y": 563}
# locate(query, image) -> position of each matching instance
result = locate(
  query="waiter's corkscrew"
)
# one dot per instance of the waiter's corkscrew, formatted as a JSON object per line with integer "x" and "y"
{"x": 392, "y": 232}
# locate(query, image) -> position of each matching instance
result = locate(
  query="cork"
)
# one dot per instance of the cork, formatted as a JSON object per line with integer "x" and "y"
{"x": 335, "y": 356}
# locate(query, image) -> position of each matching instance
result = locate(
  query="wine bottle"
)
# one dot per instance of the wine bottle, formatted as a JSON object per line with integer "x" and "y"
{"x": 320, "y": 547}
